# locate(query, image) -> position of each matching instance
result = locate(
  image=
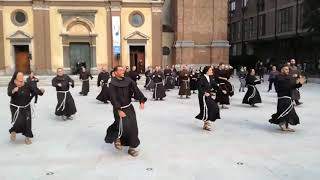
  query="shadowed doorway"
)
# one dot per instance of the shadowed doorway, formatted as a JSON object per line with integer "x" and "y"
{"x": 22, "y": 60}
{"x": 137, "y": 58}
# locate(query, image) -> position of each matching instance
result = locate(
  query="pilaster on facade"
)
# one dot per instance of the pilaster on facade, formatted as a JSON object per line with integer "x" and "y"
{"x": 115, "y": 5}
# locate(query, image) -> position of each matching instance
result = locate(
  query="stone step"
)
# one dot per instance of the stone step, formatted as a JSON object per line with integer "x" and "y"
{"x": 46, "y": 80}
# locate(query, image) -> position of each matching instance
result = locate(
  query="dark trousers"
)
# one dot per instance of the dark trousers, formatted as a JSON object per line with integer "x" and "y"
{"x": 35, "y": 98}
{"x": 271, "y": 81}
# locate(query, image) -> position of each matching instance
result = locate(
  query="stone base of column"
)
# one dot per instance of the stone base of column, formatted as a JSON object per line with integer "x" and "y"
{"x": 220, "y": 52}
{"x": 2, "y": 72}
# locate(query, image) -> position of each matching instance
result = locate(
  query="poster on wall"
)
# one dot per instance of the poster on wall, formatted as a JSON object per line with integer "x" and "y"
{"x": 116, "y": 34}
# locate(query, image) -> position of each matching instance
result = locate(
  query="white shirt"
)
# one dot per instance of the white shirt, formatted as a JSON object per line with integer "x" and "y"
{"x": 207, "y": 77}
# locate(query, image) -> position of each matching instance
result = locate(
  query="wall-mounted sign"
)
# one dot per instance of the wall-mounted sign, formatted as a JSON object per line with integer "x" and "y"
{"x": 116, "y": 34}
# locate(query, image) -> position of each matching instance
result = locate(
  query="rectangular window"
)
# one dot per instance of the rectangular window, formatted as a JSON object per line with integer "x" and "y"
{"x": 246, "y": 29}
{"x": 250, "y": 27}
{"x": 300, "y": 14}
{"x": 232, "y": 7}
{"x": 254, "y": 27}
{"x": 232, "y": 31}
{"x": 245, "y": 3}
{"x": 285, "y": 20}
{"x": 238, "y": 32}
{"x": 262, "y": 25}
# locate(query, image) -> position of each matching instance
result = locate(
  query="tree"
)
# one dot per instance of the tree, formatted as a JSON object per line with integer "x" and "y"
{"x": 312, "y": 15}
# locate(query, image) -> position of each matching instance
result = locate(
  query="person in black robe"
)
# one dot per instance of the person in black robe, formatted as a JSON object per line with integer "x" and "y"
{"x": 209, "y": 110}
{"x": 124, "y": 130}
{"x": 295, "y": 73}
{"x": 169, "y": 79}
{"x": 229, "y": 70}
{"x": 126, "y": 72}
{"x": 175, "y": 74}
{"x": 149, "y": 82}
{"x": 193, "y": 81}
{"x": 66, "y": 106}
{"x": 221, "y": 77}
{"x": 84, "y": 77}
{"x": 260, "y": 70}
{"x": 286, "y": 114}
{"x": 33, "y": 80}
{"x": 21, "y": 94}
{"x": 184, "y": 78}
{"x": 102, "y": 82}
{"x": 133, "y": 74}
{"x": 159, "y": 91}
{"x": 252, "y": 96}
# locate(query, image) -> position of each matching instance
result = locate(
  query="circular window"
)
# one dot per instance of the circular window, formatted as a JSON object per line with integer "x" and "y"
{"x": 19, "y": 18}
{"x": 136, "y": 19}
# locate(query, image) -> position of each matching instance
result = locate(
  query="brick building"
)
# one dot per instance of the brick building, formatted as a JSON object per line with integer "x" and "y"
{"x": 269, "y": 30}
{"x": 200, "y": 28}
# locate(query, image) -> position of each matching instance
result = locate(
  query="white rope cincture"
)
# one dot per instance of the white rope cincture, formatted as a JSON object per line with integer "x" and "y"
{"x": 101, "y": 83}
{"x": 186, "y": 81}
{"x": 108, "y": 82}
{"x": 253, "y": 93}
{"x": 149, "y": 82}
{"x": 121, "y": 123}
{"x": 155, "y": 89}
{"x": 287, "y": 111}
{"x": 205, "y": 109}
{"x": 17, "y": 112}
{"x": 63, "y": 103}
{"x": 166, "y": 80}
{"x": 33, "y": 114}
{"x": 120, "y": 129}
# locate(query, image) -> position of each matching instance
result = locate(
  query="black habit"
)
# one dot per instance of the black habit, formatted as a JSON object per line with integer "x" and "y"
{"x": 252, "y": 96}
{"x": 20, "y": 108}
{"x": 149, "y": 82}
{"x": 169, "y": 79}
{"x": 134, "y": 75}
{"x": 126, "y": 129}
{"x": 84, "y": 77}
{"x": 286, "y": 113}
{"x": 159, "y": 91}
{"x": 184, "y": 83}
{"x": 103, "y": 79}
{"x": 66, "y": 106}
{"x": 33, "y": 82}
{"x": 209, "y": 110}
{"x": 225, "y": 87}
{"x": 193, "y": 81}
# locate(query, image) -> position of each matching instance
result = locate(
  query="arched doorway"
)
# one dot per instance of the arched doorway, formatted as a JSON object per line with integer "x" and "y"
{"x": 79, "y": 45}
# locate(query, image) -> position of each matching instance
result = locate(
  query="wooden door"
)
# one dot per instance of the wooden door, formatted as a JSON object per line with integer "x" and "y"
{"x": 22, "y": 62}
{"x": 140, "y": 62}
{"x": 132, "y": 59}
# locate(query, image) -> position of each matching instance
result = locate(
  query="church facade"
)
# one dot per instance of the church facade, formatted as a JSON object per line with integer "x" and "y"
{"x": 43, "y": 35}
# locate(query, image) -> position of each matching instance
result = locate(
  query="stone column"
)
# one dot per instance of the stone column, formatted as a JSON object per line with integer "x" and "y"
{"x": 109, "y": 39}
{"x": 220, "y": 45}
{"x": 156, "y": 35}
{"x": 2, "y": 60}
{"x": 42, "y": 41}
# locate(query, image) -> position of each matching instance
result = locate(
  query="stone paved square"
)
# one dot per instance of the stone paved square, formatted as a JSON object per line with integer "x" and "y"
{"x": 243, "y": 145}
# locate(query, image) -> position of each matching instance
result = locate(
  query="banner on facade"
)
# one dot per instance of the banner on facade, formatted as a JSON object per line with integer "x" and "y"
{"x": 116, "y": 34}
